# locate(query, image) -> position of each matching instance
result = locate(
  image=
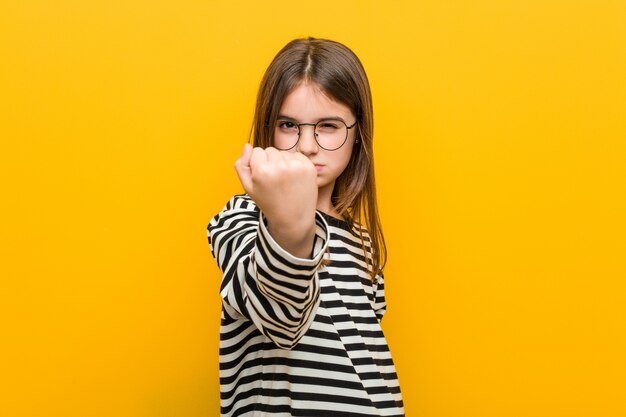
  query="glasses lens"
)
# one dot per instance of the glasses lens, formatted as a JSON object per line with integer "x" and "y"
{"x": 331, "y": 134}
{"x": 286, "y": 134}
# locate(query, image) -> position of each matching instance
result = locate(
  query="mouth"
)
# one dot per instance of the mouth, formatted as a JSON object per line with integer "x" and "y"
{"x": 319, "y": 167}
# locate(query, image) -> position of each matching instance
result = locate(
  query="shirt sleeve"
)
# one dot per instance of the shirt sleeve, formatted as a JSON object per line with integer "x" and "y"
{"x": 261, "y": 281}
{"x": 380, "y": 304}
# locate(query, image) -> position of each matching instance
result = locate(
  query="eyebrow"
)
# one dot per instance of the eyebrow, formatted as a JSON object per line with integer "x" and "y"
{"x": 285, "y": 117}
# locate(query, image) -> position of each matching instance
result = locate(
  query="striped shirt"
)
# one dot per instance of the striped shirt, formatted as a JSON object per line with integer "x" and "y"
{"x": 300, "y": 337}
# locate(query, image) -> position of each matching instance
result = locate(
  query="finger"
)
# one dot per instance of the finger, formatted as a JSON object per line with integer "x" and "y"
{"x": 258, "y": 158}
{"x": 245, "y": 177}
{"x": 302, "y": 158}
{"x": 246, "y": 153}
{"x": 273, "y": 155}
{"x": 242, "y": 166}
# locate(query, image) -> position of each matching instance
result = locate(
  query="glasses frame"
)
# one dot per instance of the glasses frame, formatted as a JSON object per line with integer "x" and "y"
{"x": 316, "y": 134}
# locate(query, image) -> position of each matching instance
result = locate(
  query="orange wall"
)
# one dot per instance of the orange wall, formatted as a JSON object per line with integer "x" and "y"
{"x": 501, "y": 162}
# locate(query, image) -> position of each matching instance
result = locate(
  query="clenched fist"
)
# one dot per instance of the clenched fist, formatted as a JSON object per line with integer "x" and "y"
{"x": 284, "y": 187}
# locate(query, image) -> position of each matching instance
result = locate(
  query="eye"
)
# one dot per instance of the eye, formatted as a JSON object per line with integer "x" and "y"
{"x": 329, "y": 126}
{"x": 287, "y": 126}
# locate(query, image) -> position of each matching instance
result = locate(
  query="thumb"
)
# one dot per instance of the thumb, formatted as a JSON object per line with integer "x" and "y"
{"x": 242, "y": 166}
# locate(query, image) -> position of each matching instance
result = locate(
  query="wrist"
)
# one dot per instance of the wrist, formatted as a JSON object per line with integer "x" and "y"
{"x": 296, "y": 237}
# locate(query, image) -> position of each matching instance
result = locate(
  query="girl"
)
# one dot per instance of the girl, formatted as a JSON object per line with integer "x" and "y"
{"x": 302, "y": 288}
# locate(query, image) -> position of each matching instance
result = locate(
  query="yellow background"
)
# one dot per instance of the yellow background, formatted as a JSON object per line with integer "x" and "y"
{"x": 501, "y": 163}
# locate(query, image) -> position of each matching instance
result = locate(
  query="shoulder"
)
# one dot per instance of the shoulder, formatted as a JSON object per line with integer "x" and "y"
{"x": 361, "y": 230}
{"x": 347, "y": 226}
{"x": 360, "y": 233}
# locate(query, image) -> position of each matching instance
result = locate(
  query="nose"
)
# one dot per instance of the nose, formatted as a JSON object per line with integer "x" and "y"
{"x": 307, "y": 145}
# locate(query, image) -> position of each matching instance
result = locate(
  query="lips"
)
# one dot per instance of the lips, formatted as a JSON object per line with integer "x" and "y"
{"x": 318, "y": 167}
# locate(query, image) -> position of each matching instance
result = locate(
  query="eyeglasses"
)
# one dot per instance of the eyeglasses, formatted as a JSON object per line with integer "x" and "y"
{"x": 330, "y": 134}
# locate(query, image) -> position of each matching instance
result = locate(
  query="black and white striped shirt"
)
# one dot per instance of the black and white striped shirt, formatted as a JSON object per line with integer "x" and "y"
{"x": 299, "y": 338}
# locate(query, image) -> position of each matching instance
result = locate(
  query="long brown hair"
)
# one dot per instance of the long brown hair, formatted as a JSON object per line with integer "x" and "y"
{"x": 340, "y": 74}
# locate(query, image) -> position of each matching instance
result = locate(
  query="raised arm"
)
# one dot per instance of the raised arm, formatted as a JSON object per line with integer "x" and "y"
{"x": 270, "y": 243}
{"x": 261, "y": 281}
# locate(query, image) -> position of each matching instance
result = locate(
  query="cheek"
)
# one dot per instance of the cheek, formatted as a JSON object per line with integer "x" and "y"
{"x": 277, "y": 142}
{"x": 283, "y": 146}
{"x": 343, "y": 159}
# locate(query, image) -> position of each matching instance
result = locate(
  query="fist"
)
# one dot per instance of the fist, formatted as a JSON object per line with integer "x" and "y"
{"x": 284, "y": 187}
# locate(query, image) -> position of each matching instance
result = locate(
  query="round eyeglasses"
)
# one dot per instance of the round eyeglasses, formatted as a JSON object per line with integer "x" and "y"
{"x": 330, "y": 134}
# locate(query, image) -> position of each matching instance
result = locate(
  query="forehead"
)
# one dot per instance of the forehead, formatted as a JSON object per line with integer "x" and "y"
{"x": 307, "y": 100}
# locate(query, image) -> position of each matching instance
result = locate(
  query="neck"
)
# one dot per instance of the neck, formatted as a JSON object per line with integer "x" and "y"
{"x": 324, "y": 201}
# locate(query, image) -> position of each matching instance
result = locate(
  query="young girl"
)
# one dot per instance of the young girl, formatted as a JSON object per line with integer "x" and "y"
{"x": 302, "y": 288}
